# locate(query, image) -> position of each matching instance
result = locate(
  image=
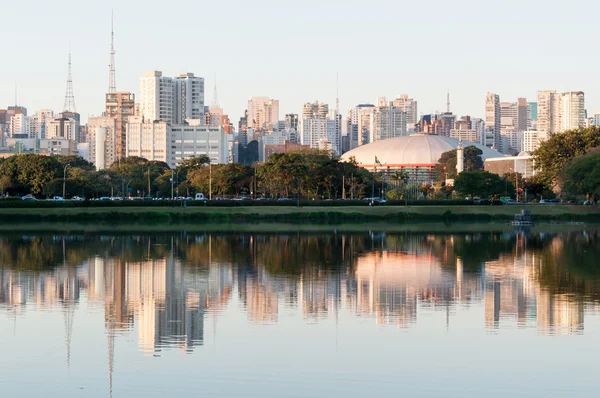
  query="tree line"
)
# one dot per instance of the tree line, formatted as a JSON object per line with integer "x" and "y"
{"x": 312, "y": 174}
{"x": 568, "y": 163}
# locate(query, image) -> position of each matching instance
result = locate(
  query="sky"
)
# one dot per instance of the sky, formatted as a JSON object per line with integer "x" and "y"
{"x": 292, "y": 51}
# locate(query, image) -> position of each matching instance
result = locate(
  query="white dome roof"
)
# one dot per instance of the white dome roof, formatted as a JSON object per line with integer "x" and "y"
{"x": 415, "y": 149}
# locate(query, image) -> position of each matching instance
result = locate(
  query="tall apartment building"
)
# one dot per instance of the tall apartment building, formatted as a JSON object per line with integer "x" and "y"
{"x": 573, "y": 110}
{"x": 315, "y": 109}
{"x": 492, "y": 120}
{"x": 120, "y": 106}
{"x": 445, "y": 123}
{"x": 388, "y": 121}
{"x": 464, "y": 130}
{"x": 549, "y": 111}
{"x": 522, "y": 114}
{"x": 103, "y": 141}
{"x": 365, "y": 117}
{"x": 157, "y": 97}
{"x": 189, "y": 97}
{"x": 171, "y": 99}
{"x": 263, "y": 113}
{"x": 62, "y": 127}
{"x": 321, "y": 129}
{"x": 409, "y": 106}
{"x": 291, "y": 121}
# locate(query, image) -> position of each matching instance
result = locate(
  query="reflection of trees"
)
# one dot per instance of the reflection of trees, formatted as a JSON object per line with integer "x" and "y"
{"x": 570, "y": 265}
{"x": 567, "y": 260}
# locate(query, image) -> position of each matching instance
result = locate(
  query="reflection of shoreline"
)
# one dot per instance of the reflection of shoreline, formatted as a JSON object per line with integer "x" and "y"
{"x": 391, "y": 278}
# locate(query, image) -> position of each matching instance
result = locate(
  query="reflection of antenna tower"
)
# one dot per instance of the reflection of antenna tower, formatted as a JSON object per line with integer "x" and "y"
{"x": 112, "y": 83}
{"x": 69, "y": 315}
{"x": 69, "y": 96}
{"x": 215, "y": 101}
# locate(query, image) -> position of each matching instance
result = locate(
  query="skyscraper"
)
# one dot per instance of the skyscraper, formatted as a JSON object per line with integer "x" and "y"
{"x": 189, "y": 97}
{"x": 120, "y": 106}
{"x": 157, "y": 97}
{"x": 389, "y": 121}
{"x": 492, "y": 120}
{"x": 263, "y": 113}
{"x": 409, "y": 106}
{"x": 549, "y": 111}
{"x": 573, "y": 110}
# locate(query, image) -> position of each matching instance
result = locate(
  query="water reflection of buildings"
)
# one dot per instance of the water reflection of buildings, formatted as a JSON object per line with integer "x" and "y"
{"x": 395, "y": 279}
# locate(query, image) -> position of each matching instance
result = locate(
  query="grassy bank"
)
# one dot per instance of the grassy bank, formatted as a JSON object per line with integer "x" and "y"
{"x": 328, "y": 215}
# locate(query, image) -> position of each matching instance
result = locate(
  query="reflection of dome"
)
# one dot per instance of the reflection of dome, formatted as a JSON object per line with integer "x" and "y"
{"x": 416, "y": 150}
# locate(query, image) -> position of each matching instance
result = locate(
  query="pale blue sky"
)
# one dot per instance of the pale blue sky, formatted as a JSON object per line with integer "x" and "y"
{"x": 291, "y": 51}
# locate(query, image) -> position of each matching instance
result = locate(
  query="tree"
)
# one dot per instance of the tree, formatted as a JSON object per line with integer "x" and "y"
{"x": 582, "y": 176}
{"x": 553, "y": 154}
{"x": 481, "y": 183}
{"x": 446, "y": 167}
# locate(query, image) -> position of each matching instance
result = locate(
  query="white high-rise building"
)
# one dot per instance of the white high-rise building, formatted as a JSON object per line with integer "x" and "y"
{"x": 549, "y": 111}
{"x": 596, "y": 119}
{"x": 20, "y": 124}
{"x": 263, "y": 113}
{"x": 189, "y": 97}
{"x": 366, "y": 116}
{"x": 41, "y": 118}
{"x": 493, "y": 121}
{"x": 157, "y": 97}
{"x": 102, "y": 141}
{"x": 389, "y": 121}
{"x": 573, "y": 110}
{"x": 321, "y": 130}
{"x": 409, "y": 106}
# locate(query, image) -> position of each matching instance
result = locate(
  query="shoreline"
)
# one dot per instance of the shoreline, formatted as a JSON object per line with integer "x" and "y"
{"x": 290, "y": 214}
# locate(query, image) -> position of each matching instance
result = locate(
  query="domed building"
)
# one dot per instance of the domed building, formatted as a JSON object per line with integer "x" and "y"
{"x": 416, "y": 154}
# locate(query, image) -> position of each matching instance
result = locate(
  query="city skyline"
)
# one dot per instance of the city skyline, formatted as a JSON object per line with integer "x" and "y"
{"x": 295, "y": 83}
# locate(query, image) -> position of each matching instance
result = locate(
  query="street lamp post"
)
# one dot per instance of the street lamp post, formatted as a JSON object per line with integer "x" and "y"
{"x": 65, "y": 180}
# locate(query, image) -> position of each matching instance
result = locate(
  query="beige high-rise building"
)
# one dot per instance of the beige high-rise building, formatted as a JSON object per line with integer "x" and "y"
{"x": 409, "y": 106}
{"x": 549, "y": 111}
{"x": 102, "y": 149}
{"x": 263, "y": 113}
{"x": 573, "y": 110}
{"x": 120, "y": 106}
{"x": 493, "y": 121}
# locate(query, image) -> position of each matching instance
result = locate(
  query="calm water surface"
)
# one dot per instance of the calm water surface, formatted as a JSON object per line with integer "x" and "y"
{"x": 328, "y": 314}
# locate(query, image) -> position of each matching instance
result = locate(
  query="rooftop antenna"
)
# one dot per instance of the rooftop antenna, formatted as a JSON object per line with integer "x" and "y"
{"x": 112, "y": 82}
{"x": 337, "y": 93}
{"x": 69, "y": 97}
{"x": 215, "y": 101}
{"x": 448, "y": 101}
{"x": 16, "y": 102}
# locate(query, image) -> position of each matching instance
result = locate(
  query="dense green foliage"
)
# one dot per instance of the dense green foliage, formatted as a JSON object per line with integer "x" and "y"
{"x": 446, "y": 167}
{"x": 481, "y": 183}
{"x": 582, "y": 176}
{"x": 554, "y": 154}
{"x": 311, "y": 174}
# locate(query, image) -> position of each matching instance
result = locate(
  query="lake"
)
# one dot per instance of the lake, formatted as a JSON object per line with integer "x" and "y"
{"x": 372, "y": 311}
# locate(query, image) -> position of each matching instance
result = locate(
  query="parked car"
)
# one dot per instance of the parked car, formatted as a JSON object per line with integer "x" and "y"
{"x": 511, "y": 202}
{"x": 56, "y": 199}
{"x": 241, "y": 198}
{"x": 77, "y": 199}
{"x": 104, "y": 198}
{"x": 199, "y": 196}
{"x": 284, "y": 199}
{"x": 28, "y": 197}
{"x": 549, "y": 201}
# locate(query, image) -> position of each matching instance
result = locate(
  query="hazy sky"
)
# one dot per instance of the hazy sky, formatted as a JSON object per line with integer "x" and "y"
{"x": 291, "y": 51}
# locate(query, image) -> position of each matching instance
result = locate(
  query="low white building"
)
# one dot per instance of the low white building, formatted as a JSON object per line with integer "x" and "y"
{"x": 523, "y": 164}
{"x": 532, "y": 140}
{"x": 159, "y": 141}
{"x": 58, "y": 146}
